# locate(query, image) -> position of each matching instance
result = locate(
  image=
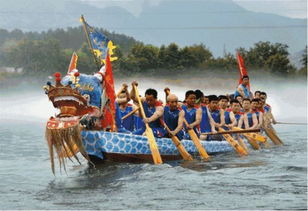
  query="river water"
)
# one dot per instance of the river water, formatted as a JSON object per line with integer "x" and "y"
{"x": 273, "y": 178}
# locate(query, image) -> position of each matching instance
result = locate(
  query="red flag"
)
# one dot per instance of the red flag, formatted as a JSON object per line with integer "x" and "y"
{"x": 73, "y": 63}
{"x": 109, "y": 110}
{"x": 241, "y": 67}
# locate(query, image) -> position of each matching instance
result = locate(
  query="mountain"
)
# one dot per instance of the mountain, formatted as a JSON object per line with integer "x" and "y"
{"x": 221, "y": 25}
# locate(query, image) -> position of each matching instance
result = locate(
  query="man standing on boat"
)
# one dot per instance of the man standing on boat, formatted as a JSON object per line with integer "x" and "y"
{"x": 193, "y": 114}
{"x": 174, "y": 116}
{"x": 153, "y": 110}
{"x": 243, "y": 88}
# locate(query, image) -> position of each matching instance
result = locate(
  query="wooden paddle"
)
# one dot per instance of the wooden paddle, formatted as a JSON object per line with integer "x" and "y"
{"x": 292, "y": 123}
{"x": 232, "y": 131}
{"x": 271, "y": 134}
{"x": 197, "y": 142}
{"x": 254, "y": 136}
{"x": 179, "y": 145}
{"x": 149, "y": 133}
{"x": 242, "y": 143}
{"x": 238, "y": 148}
{"x": 130, "y": 113}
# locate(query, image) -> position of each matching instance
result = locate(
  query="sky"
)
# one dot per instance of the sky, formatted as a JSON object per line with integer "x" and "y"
{"x": 288, "y": 8}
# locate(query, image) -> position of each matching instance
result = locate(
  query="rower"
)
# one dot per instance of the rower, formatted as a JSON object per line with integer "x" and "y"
{"x": 254, "y": 109}
{"x": 123, "y": 108}
{"x": 207, "y": 123}
{"x": 217, "y": 114}
{"x": 173, "y": 116}
{"x": 229, "y": 117}
{"x": 267, "y": 111}
{"x": 193, "y": 114}
{"x": 249, "y": 119}
{"x": 243, "y": 89}
{"x": 153, "y": 110}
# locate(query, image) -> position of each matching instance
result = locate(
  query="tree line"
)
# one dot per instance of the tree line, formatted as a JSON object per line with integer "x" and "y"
{"x": 47, "y": 52}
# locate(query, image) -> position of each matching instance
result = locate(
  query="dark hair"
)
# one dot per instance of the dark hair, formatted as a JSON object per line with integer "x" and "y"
{"x": 239, "y": 96}
{"x": 199, "y": 93}
{"x": 220, "y": 97}
{"x": 257, "y": 92}
{"x": 245, "y": 76}
{"x": 263, "y": 93}
{"x": 151, "y": 92}
{"x": 234, "y": 101}
{"x": 213, "y": 98}
{"x": 255, "y": 100}
{"x": 246, "y": 99}
{"x": 189, "y": 92}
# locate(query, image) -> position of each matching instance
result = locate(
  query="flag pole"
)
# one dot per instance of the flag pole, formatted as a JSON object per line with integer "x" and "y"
{"x": 98, "y": 64}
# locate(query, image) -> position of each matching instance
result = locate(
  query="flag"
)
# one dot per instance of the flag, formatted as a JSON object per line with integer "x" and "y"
{"x": 109, "y": 109}
{"x": 241, "y": 67}
{"x": 73, "y": 63}
{"x": 100, "y": 43}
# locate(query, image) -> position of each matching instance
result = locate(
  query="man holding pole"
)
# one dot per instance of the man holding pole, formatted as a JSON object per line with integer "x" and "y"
{"x": 153, "y": 110}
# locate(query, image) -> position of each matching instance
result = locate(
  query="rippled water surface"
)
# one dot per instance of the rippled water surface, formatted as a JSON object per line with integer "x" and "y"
{"x": 273, "y": 178}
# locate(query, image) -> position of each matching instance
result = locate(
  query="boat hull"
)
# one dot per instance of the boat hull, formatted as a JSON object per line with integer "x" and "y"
{"x": 120, "y": 147}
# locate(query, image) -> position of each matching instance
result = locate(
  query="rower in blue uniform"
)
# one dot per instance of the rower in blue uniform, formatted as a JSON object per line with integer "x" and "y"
{"x": 217, "y": 115}
{"x": 249, "y": 119}
{"x": 193, "y": 114}
{"x": 254, "y": 109}
{"x": 153, "y": 110}
{"x": 173, "y": 116}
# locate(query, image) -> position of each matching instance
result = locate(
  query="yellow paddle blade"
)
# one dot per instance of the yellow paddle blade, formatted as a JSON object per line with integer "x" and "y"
{"x": 181, "y": 148}
{"x": 153, "y": 146}
{"x": 255, "y": 136}
{"x": 198, "y": 145}
{"x": 238, "y": 148}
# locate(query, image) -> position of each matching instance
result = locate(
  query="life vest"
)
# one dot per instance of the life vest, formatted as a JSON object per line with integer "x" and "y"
{"x": 249, "y": 117}
{"x": 257, "y": 112}
{"x": 205, "y": 125}
{"x": 190, "y": 116}
{"x": 267, "y": 108}
{"x": 216, "y": 116}
{"x": 171, "y": 118}
{"x": 237, "y": 117}
{"x": 227, "y": 118}
{"x": 246, "y": 91}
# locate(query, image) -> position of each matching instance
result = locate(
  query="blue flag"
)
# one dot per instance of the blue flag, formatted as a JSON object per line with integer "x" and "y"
{"x": 99, "y": 43}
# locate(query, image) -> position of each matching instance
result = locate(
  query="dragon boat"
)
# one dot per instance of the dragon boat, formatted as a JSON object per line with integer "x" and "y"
{"x": 75, "y": 129}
